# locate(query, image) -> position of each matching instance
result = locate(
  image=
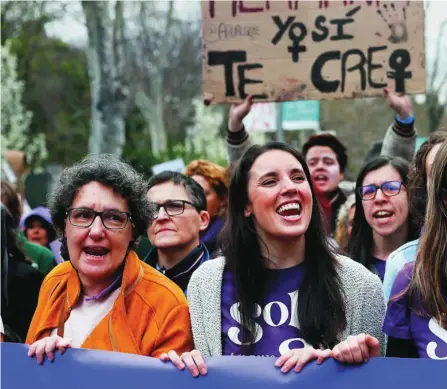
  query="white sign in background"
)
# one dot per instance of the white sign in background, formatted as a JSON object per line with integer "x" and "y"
{"x": 176, "y": 165}
{"x": 262, "y": 118}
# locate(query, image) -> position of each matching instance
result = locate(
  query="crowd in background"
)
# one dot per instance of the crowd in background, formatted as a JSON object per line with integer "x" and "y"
{"x": 268, "y": 256}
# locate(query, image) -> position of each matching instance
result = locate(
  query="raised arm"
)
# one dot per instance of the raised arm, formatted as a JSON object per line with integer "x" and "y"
{"x": 237, "y": 138}
{"x": 400, "y": 138}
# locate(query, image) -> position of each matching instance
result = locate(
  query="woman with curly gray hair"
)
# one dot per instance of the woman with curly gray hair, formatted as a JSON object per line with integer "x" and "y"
{"x": 103, "y": 297}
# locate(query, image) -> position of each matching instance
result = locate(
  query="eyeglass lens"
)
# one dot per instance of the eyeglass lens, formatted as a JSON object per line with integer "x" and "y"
{"x": 172, "y": 208}
{"x": 389, "y": 188}
{"x": 110, "y": 219}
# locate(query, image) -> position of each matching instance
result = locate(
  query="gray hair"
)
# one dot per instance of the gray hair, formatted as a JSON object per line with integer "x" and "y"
{"x": 110, "y": 171}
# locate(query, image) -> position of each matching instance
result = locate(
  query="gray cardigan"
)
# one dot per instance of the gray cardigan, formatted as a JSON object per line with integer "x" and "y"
{"x": 365, "y": 304}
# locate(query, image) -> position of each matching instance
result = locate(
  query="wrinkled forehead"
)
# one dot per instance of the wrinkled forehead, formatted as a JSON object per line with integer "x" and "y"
{"x": 167, "y": 191}
{"x": 98, "y": 196}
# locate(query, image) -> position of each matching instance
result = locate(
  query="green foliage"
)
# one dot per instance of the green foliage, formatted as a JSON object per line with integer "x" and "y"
{"x": 56, "y": 83}
{"x": 15, "y": 118}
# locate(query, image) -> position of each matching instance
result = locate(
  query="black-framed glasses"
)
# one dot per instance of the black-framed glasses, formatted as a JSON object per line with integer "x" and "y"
{"x": 112, "y": 220}
{"x": 171, "y": 207}
{"x": 388, "y": 188}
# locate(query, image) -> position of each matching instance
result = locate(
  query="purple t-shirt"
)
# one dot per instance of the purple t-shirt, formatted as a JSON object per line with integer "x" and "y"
{"x": 402, "y": 322}
{"x": 380, "y": 264}
{"x": 276, "y": 320}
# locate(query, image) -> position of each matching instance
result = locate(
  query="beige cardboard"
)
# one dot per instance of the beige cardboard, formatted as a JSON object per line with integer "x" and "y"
{"x": 380, "y": 28}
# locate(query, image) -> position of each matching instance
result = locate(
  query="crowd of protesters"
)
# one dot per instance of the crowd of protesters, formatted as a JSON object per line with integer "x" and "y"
{"x": 268, "y": 257}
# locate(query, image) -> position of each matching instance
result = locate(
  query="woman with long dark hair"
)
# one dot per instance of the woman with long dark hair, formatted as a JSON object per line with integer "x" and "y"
{"x": 382, "y": 220}
{"x": 416, "y": 320}
{"x": 279, "y": 290}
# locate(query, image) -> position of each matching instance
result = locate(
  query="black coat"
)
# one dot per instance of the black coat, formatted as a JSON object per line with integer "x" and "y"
{"x": 20, "y": 284}
{"x": 24, "y": 283}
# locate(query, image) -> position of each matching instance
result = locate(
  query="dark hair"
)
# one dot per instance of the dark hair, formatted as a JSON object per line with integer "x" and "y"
{"x": 374, "y": 151}
{"x": 110, "y": 171}
{"x": 194, "y": 191}
{"x": 361, "y": 240}
{"x": 418, "y": 176}
{"x": 321, "y": 306}
{"x": 51, "y": 232}
{"x": 14, "y": 250}
{"x": 333, "y": 143}
{"x": 11, "y": 214}
{"x": 11, "y": 200}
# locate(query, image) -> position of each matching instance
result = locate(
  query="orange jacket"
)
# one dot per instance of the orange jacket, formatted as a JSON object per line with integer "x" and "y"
{"x": 149, "y": 317}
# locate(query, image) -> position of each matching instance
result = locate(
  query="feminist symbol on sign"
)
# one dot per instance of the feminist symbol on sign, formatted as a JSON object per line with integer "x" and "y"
{"x": 399, "y": 60}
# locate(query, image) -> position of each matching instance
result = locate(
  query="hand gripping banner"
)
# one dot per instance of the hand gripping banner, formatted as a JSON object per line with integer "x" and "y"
{"x": 90, "y": 369}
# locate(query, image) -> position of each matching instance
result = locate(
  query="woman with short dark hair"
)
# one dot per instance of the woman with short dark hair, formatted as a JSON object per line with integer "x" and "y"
{"x": 103, "y": 297}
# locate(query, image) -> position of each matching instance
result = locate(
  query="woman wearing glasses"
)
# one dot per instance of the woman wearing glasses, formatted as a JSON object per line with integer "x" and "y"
{"x": 416, "y": 320}
{"x": 103, "y": 297}
{"x": 382, "y": 220}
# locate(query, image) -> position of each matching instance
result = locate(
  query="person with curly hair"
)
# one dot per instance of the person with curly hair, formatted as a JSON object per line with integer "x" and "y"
{"x": 214, "y": 181}
{"x": 103, "y": 296}
{"x": 419, "y": 186}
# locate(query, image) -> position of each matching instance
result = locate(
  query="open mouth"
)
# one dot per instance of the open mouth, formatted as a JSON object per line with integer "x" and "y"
{"x": 320, "y": 178}
{"x": 382, "y": 214}
{"x": 290, "y": 210}
{"x": 96, "y": 251}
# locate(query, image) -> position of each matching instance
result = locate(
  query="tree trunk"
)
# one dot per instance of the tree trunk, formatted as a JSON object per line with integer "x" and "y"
{"x": 152, "y": 104}
{"x": 153, "y": 114}
{"x": 435, "y": 112}
{"x": 109, "y": 92}
{"x": 437, "y": 83}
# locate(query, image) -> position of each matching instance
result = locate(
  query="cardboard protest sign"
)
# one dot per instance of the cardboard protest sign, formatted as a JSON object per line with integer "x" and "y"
{"x": 289, "y": 50}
